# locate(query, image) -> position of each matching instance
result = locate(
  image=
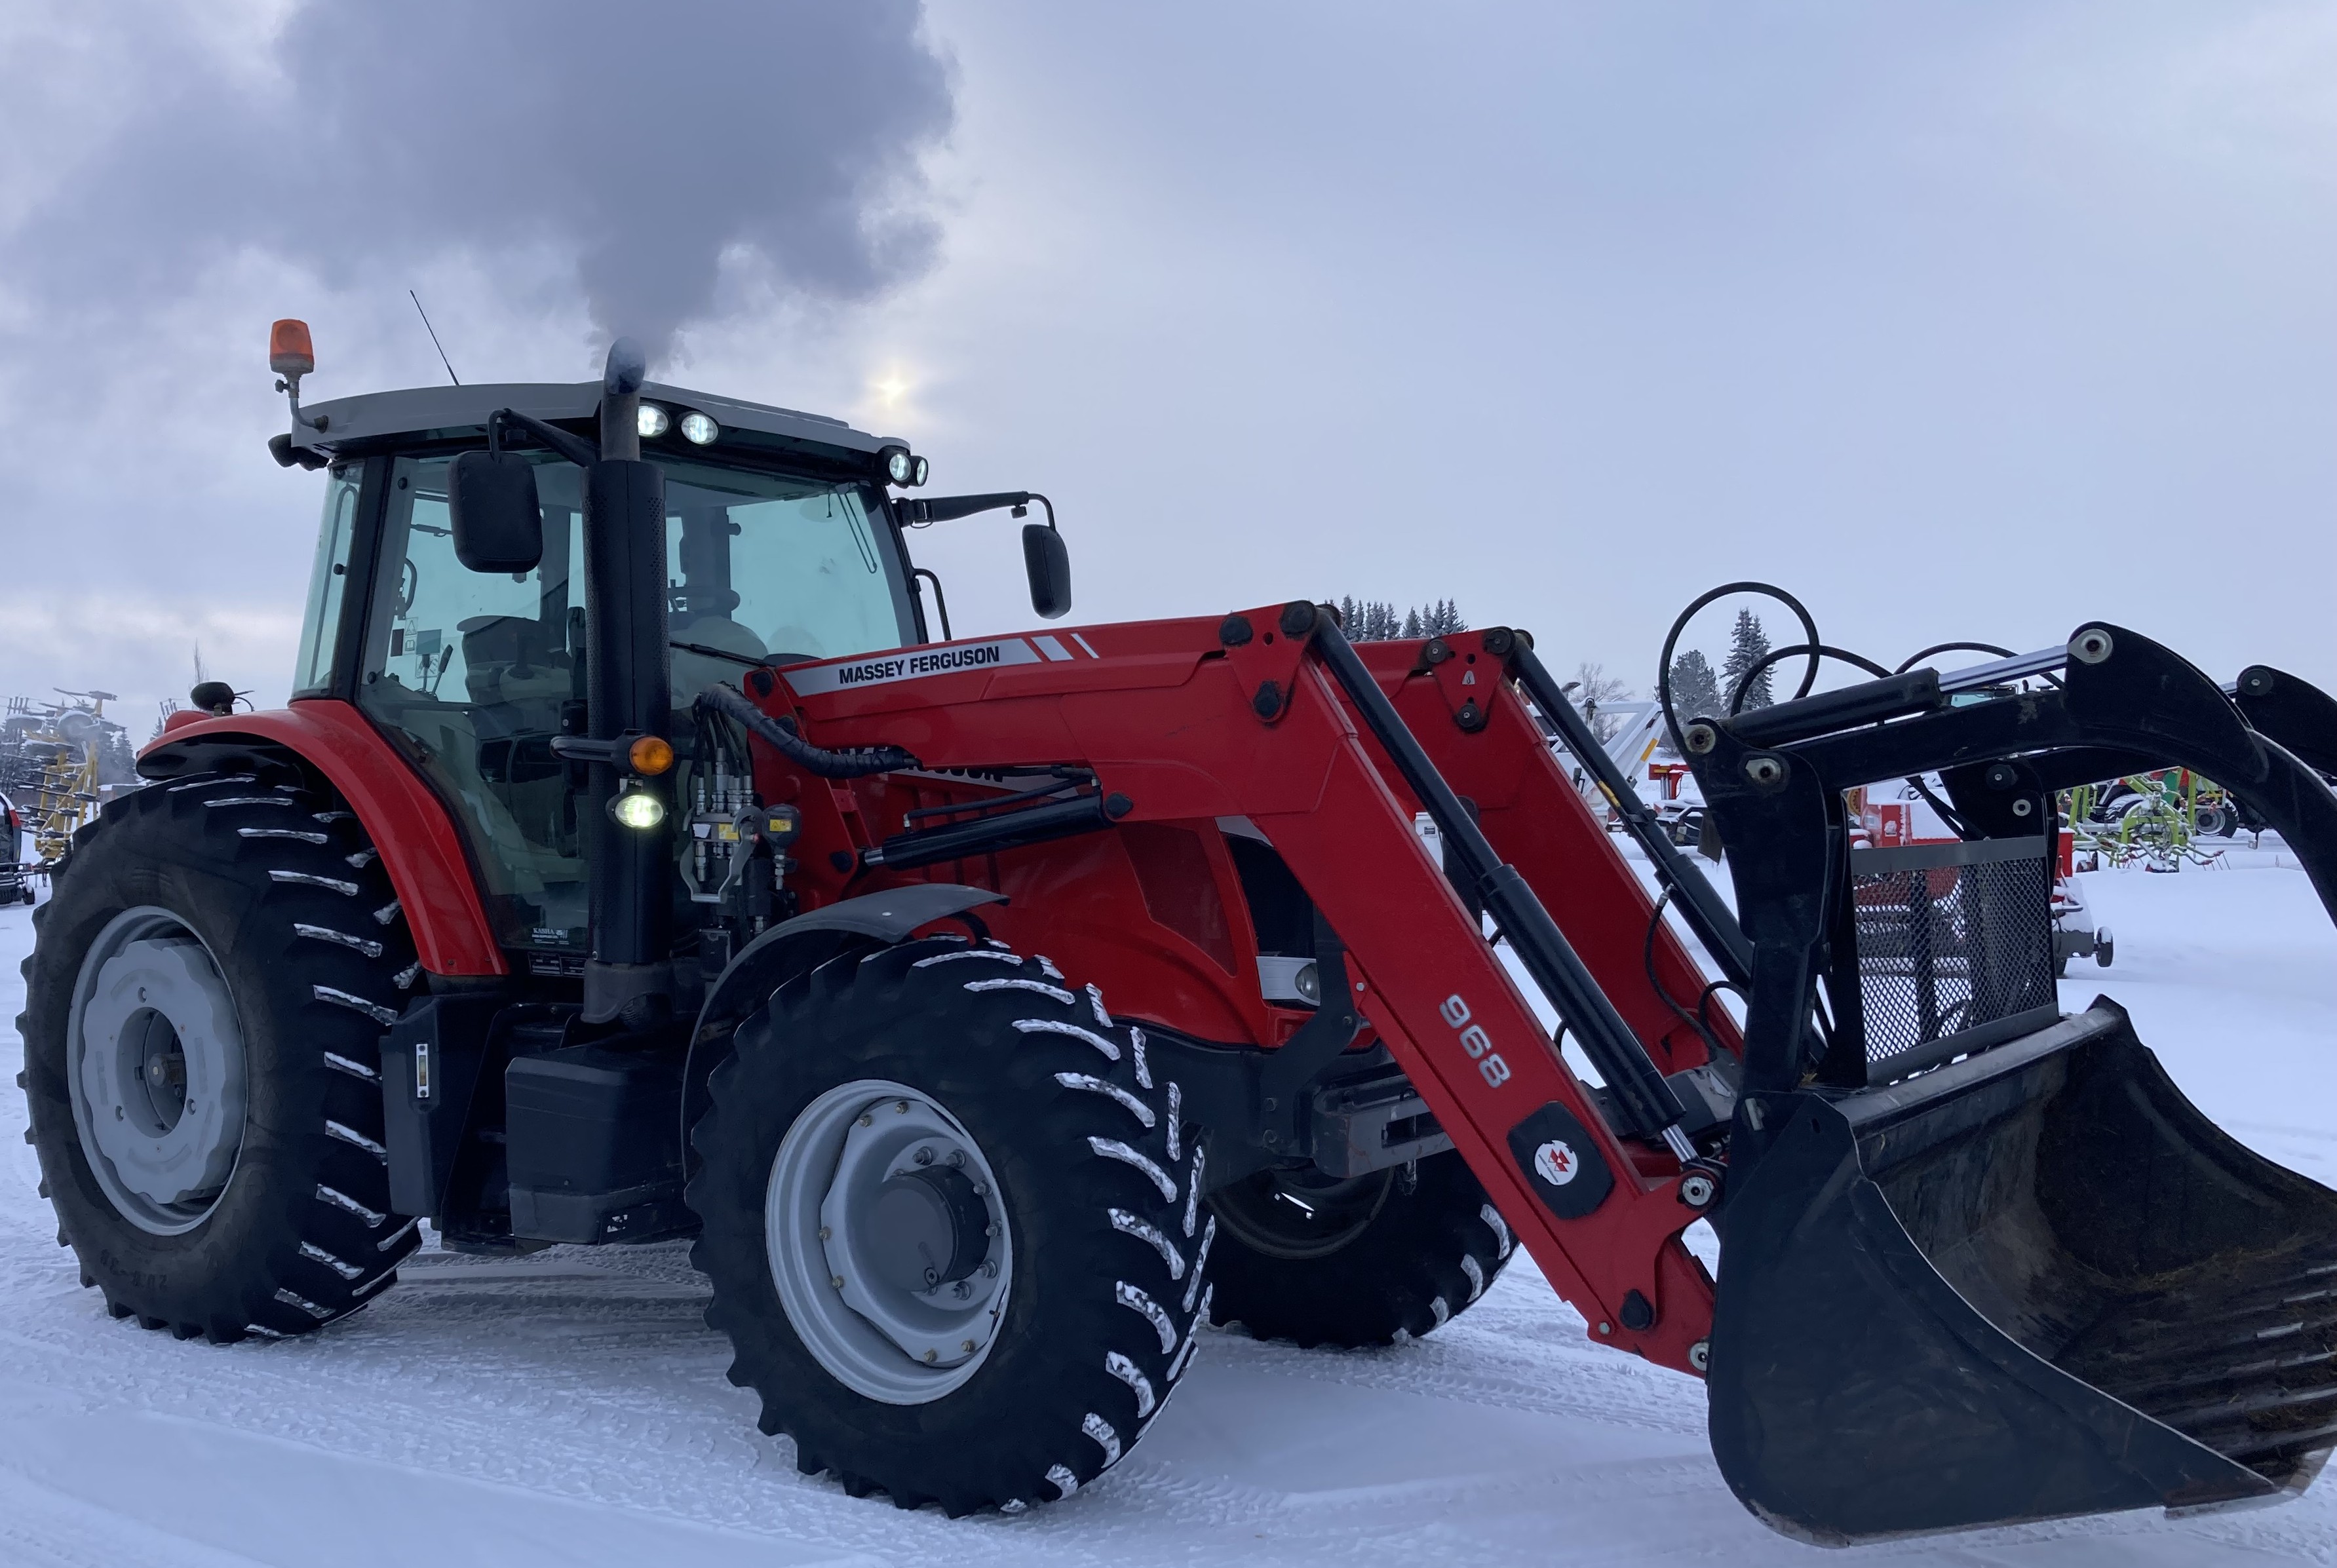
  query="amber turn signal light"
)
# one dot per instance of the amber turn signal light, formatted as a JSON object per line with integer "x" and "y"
{"x": 650, "y": 755}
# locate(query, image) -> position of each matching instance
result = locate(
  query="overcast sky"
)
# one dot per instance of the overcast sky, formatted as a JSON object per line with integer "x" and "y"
{"x": 1963, "y": 320}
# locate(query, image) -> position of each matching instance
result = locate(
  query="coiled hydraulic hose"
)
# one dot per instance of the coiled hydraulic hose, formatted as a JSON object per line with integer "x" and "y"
{"x": 780, "y": 733}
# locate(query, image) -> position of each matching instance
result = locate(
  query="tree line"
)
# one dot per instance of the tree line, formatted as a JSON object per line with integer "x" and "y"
{"x": 1376, "y": 621}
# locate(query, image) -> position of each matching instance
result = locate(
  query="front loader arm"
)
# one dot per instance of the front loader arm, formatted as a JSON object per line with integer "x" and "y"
{"x": 1456, "y": 696}
{"x": 1608, "y": 1237}
{"x": 1243, "y": 718}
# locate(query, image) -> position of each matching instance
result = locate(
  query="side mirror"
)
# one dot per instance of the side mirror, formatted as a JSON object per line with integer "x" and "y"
{"x": 498, "y": 522}
{"x": 1050, "y": 566}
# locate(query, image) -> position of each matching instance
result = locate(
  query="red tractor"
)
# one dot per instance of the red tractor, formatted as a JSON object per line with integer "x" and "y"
{"x": 633, "y": 862}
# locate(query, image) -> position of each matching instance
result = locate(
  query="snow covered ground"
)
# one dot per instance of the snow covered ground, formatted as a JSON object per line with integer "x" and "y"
{"x": 571, "y": 1408}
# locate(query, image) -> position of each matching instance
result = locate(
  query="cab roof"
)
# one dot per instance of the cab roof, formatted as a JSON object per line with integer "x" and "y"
{"x": 456, "y": 413}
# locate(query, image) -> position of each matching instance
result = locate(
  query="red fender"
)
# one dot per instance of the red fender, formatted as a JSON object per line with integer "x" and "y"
{"x": 420, "y": 847}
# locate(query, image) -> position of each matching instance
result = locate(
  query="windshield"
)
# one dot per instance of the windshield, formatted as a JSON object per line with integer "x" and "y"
{"x": 788, "y": 570}
{"x": 475, "y": 673}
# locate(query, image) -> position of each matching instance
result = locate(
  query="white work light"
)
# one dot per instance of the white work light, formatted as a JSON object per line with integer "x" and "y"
{"x": 637, "y": 809}
{"x": 652, "y": 421}
{"x": 699, "y": 430}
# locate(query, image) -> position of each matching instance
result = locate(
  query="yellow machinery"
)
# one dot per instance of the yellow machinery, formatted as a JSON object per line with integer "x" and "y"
{"x": 59, "y": 749}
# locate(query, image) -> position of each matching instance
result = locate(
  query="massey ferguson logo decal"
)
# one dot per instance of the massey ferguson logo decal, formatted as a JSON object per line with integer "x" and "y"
{"x": 1476, "y": 1042}
{"x": 1557, "y": 1163}
{"x": 810, "y": 679}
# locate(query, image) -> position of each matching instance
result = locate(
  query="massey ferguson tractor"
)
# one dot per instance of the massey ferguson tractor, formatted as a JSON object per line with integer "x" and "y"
{"x": 640, "y": 857}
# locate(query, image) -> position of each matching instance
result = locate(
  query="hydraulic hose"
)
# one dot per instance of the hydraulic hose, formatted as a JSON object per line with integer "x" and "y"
{"x": 781, "y": 733}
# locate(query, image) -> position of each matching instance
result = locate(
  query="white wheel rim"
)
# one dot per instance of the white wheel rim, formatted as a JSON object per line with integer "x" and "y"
{"x": 154, "y": 1060}
{"x": 829, "y": 1253}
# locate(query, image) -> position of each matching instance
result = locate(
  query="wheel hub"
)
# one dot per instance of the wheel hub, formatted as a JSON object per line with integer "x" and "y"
{"x": 889, "y": 1241}
{"x": 927, "y": 1228}
{"x": 156, "y": 1071}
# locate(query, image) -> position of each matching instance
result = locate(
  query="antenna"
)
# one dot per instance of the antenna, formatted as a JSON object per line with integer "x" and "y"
{"x": 433, "y": 336}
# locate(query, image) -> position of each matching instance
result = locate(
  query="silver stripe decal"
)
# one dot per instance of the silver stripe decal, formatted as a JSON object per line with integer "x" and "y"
{"x": 908, "y": 664}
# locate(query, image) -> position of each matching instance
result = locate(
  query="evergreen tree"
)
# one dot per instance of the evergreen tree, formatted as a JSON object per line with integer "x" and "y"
{"x": 117, "y": 761}
{"x": 1748, "y": 644}
{"x": 1378, "y": 620}
{"x": 1696, "y": 690}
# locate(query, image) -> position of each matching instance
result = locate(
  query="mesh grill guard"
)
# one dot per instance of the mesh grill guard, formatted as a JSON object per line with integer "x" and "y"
{"x": 1955, "y": 948}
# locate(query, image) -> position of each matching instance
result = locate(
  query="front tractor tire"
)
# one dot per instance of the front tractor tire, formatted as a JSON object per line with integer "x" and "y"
{"x": 204, "y": 1005}
{"x": 950, "y": 1225}
{"x": 1317, "y": 1260}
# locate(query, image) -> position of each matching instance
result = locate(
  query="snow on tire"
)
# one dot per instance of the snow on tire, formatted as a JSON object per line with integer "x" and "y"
{"x": 204, "y": 1007}
{"x": 948, "y": 1218}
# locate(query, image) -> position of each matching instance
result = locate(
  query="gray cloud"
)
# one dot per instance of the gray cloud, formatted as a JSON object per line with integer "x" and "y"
{"x": 659, "y": 146}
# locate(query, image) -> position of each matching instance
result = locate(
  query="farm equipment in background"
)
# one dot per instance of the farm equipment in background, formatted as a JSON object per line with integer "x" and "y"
{"x": 54, "y": 765}
{"x": 992, "y": 1013}
{"x": 15, "y": 881}
{"x": 1905, "y": 814}
{"x": 2159, "y": 820}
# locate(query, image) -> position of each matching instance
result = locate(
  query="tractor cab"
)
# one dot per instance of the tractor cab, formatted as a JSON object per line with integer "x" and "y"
{"x": 778, "y": 541}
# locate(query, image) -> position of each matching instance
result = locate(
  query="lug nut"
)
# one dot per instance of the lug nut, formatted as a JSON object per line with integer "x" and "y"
{"x": 835, "y": 1280}
{"x": 966, "y": 1345}
{"x": 900, "y": 1108}
{"x": 826, "y": 1234}
{"x": 962, "y": 1291}
{"x": 867, "y": 1121}
{"x": 957, "y": 1159}
{"x": 923, "y": 1156}
{"x": 932, "y": 1356}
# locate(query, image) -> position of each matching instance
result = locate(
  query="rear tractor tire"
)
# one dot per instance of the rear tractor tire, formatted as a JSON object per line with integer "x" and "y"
{"x": 1317, "y": 1260}
{"x": 949, "y": 1221}
{"x": 203, "y": 1010}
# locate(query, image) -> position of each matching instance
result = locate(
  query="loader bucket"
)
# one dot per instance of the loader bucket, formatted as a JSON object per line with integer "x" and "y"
{"x": 2034, "y": 1283}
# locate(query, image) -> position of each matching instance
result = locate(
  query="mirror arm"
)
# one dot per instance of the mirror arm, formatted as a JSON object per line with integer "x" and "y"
{"x": 917, "y": 512}
{"x": 575, "y": 449}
